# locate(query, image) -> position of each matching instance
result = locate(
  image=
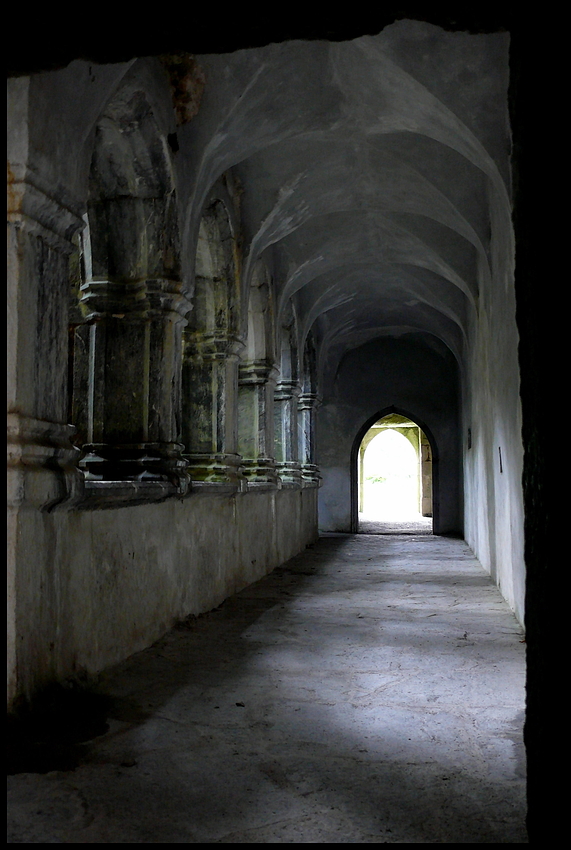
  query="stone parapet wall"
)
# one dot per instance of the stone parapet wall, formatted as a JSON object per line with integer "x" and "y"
{"x": 99, "y": 585}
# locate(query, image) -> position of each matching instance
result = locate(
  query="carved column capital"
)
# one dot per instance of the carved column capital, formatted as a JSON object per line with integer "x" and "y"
{"x": 139, "y": 300}
{"x": 165, "y": 298}
{"x": 212, "y": 346}
{"x": 256, "y": 372}
{"x": 286, "y": 390}
{"x": 108, "y": 299}
{"x": 308, "y": 401}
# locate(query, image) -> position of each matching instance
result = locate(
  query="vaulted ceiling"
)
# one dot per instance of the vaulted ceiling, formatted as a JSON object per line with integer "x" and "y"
{"x": 374, "y": 173}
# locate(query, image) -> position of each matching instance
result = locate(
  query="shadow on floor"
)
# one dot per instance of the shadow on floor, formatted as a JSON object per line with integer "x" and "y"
{"x": 355, "y": 695}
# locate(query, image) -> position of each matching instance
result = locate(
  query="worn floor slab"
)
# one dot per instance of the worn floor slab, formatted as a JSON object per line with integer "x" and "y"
{"x": 370, "y": 691}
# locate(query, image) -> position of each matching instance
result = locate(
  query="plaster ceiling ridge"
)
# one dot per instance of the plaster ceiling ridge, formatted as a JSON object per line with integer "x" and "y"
{"x": 319, "y": 308}
{"x": 427, "y": 316}
{"x": 288, "y": 290}
{"x": 409, "y": 286}
{"x": 455, "y": 221}
{"x": 357, "y": 336}
{"x": 425, "y": 256}
{"x": 406, "y": 105}
{"x": 424, "y": 318}
{"x": 276, "y": 87}
{"x": 279, "y": 222}
{"x": 345, "y": 250}
{"x": 332, "y": 350}
{"x": 399, "y": 245}
{"x": 262, "y": 133}
{"x": 307, "y": 200}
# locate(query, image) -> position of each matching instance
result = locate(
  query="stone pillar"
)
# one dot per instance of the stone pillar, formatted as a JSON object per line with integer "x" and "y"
{"x": 286, "y": 433}
{"x": 42, "y": 462}
{"x": 256, "y": 423}
{"x": 361, "y": 478}
{"x": 307, "y": 405}
{"x": 210, "y": 405}
{"x": 133, "y": 404}
{"x": 43, "y": 475}
{"x": 426, "y": 475}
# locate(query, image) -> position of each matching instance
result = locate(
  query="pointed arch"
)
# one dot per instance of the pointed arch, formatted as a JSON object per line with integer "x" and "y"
{"x": 256, "y": 386}
{"x": 308, "y": 402}
{"x": 286, "y": 401}
{"x": 128, "y": 322}
{"x": 212, "y": 344}
{"x": 386, "y": 411}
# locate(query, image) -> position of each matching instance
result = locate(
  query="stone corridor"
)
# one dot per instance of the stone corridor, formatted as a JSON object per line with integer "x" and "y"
{"x": 370, "y": 690}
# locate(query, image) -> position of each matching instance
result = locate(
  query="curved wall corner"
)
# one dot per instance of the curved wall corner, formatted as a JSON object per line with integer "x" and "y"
{"x": 390, "y": 376}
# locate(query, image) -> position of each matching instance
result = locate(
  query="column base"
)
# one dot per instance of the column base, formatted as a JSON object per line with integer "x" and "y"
{"x": 289, "y": 473}
{"x": 160, "y": 462}
{"x": 216, "y": 469}
{"x": 260, "y": 473}
{"x": 42, "y": 464}
{"x": 310, "y": 475}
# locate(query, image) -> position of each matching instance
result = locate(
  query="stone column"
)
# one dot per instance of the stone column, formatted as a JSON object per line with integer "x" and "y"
{"x": 361, "y": 478}
{"x": 426, "y": 475}
{"x": 210, "y": 405}
{"x": 256, "y": 423}
{"x": 307, "y": 405}
{"x": 43, "y": 476}
{"x": 286, "y": 434}
{"x": 133, "y": 405}
{"x": 42, "y": 462}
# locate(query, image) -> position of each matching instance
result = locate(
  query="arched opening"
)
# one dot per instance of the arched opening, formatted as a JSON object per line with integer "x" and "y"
{"x": 286, "y": 401}
{"x": 393, "y": 477}
{"x": 127, "y": 307}
{"x": 212, "y": 344}
{"x": 256, "y": 381}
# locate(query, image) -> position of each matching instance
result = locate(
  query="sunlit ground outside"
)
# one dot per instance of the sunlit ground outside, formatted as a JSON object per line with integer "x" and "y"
{"x": 391, "y": 482}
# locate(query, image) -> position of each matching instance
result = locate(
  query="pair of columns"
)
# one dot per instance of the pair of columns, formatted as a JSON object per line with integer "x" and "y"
{"x": 244, "y": 425}
{"x": 277, "y": 429}
{"x": 137, "y": 411}
{"x": 295, "y": 435}
{"x": 127, "y": 381}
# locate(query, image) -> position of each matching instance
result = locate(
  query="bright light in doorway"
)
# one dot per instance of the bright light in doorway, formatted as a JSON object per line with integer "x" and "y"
{"x": 390, "y": 478}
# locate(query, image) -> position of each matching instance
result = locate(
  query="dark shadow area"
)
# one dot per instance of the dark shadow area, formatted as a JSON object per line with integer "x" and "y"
{"x": 50, "y": 734}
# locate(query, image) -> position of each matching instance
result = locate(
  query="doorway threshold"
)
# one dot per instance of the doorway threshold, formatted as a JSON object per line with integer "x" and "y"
{"x": 422, "y": 525}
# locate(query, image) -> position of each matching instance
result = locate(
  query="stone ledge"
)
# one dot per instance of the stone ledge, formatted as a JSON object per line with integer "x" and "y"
{"x": 100, "y": 495}
{"x": 124, "y": 494}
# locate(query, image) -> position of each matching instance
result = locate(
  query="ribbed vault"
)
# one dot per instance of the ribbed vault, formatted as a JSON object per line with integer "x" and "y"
{"x": 373, "y": 171}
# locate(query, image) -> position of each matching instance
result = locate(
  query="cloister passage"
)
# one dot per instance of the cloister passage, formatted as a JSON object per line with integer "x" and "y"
{"x": 395, "y": 477}
{"x": 226, "y": 257}
{"x": 368, "y": 691}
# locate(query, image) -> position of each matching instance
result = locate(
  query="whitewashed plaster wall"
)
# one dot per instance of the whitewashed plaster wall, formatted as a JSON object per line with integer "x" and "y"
{"x": 91, "y": 587}
{"x": 493, "y": 464}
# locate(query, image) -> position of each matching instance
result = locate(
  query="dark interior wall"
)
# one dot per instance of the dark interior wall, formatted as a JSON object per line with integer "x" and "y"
{"x": 532, "y": 175}
{"x": 410, "y": 376}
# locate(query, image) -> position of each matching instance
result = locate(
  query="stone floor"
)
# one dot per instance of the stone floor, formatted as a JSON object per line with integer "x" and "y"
{"x": 370, "y": 691}
{"x": 415, "y": 525}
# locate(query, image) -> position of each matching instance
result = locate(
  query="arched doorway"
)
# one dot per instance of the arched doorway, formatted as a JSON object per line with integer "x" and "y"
{"x": 393, "y": 477}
